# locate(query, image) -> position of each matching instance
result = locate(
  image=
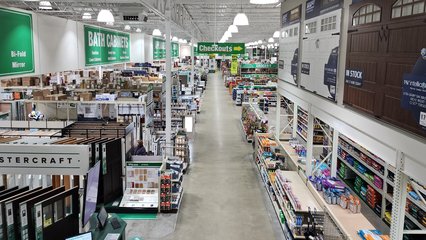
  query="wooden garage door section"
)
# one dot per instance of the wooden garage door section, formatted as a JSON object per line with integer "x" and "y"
{"x": 384, "y": 41}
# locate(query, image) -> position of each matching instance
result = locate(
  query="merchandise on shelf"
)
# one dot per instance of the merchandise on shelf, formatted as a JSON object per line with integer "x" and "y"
{"x": 253, "y": 120}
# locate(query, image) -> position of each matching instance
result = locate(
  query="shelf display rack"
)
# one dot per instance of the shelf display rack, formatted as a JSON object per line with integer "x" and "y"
{"x": 290, "y": 197}
{"x": 373, "y": 180}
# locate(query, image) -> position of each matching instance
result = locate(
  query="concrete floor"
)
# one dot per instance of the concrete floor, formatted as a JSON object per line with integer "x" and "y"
{"x": 223, "y": 197}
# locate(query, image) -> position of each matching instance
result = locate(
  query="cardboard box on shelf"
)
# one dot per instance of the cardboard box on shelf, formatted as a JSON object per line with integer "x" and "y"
{"x": 56, "y": 97}
{"x": 28, "y": 81}
{"x": 38, "y": 97}
{"x": 6, "y": 83}
{"x": 16, "y": 82}
{"x": 86, "y": 96}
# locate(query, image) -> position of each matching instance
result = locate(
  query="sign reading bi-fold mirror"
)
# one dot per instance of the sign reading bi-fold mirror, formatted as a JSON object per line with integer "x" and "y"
{"x": 16, "y": 43}
{"x": 103, "y": 46}
{"x": 44, "y": 159}
{"x": 321, "y": 47}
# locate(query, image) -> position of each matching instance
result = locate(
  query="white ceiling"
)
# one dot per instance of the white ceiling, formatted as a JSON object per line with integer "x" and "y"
{"x": 210, "y": 17}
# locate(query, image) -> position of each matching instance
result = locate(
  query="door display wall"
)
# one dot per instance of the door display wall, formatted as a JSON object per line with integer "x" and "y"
{"x": 387, "y": 49}
{"x": 289, "y": 45}
{"x": 321, "y": 47}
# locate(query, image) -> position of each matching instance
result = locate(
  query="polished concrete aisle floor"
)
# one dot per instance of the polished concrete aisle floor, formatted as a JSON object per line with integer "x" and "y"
{"x": 223, "y": 197}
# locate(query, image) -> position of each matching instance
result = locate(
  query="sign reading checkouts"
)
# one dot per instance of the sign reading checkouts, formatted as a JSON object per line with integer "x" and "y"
{"x": 221, "y": 48}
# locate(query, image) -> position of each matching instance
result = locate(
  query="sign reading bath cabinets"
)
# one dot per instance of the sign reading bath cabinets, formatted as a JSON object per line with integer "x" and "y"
{"x": 289, "y": 45}
{"x": 221, "y": 48}
{"x": 414, "y": 90}
{"x": 104, "y": 46}
{"x": 44, "y": 159}
{"x": 16, "y": 43}
{"x": 321, "y": 47}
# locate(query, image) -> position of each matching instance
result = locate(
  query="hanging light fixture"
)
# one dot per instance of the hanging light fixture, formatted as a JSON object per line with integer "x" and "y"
{"x": 259, "y": 42}
{"x": 175, "y": 39}
{"x": 232, "y": 29}
{"x": 138, "y": 30}
{"x": 105, "y": 15}
{"x": 45, "y": 5}
{"x": 276, "y": 34}
{"x": 109, "y": 23}
{"x": 241, "y": 18}
{"x": 87, "y": 16}
{"x": 270, "y": 40}
{"x": 227, "y": 34}
{"x": 156, "y": 32}
{"x": 184, "y": 41}
{"x": 264, "y": 1}
{"x": 127, "y": 27}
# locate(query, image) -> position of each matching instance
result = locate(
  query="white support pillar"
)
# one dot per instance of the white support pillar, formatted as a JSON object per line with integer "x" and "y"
{"x": 101, "y": 73}
{"x": 168, "y": 90}
{"x": 278, "y": 117}
{"x": 399, "y": 199}
{"x": 309, "y": 143}
{"x": 192, "y": 65}
{"x": 294, "y": 133}
{"x": 334, "y": 153}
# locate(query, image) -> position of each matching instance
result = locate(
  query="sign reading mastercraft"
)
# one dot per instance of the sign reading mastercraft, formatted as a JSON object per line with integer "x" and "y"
{"x": 221, "y": 48}
{"x": 16, "y": 43}
{"x": 104, "y": 46}
{"x": 44, "y": 159}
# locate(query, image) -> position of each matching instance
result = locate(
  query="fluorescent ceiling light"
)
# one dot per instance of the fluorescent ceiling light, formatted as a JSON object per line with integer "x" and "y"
{"x": 259, "y": 42}
{"x": 175, "y": 39}
{"x": 241, "y": 20}
{"x": 276, "y": 34}
{"x": 45, "y": 5}
{"x": 270, "y": 40}
{"x": 264, "y": 1}
{"x": 127, "y": 27}
{"x": 105, "y": 16}
{"x": 232, "y": 29}
{"x": 87, "y": 16}
{"x": 138, "y": 30}
{"x": 109, "y": 23}
{"x": 227, "y": 34}
{"x": 156, "y": 32}
{"x": 184, "y": 41}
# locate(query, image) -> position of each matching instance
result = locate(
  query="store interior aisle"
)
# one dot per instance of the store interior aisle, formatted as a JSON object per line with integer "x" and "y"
{"x": 223, "y": 197}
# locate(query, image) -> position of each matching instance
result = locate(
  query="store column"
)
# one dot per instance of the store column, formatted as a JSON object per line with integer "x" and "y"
{"x": 168, "y": 90}
{"x": 192, "y": 64}
{"x": 309, "y": 143}
{"x": 278, "y": 117}
{"x": 335, "y": 147}
{"x": 294, "y": 133}
{"x": 399, "y": 199}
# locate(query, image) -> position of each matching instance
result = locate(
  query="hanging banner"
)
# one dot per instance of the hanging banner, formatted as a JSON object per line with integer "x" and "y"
{"x": 175, "y": 50}
{"x": 104, "y": 46}
{"x": 16, "y": 43}
{"x": 159, "y": 49}
{"x": 320, "y": 53}
{"x": 289, "y": 45}
{"x": 414, "y": 91}
{"x": 221, "y": 48}
{"x": 234, "y": 65}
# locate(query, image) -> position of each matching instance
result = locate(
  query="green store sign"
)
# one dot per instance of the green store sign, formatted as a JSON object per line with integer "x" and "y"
{"x": 16, "y": 43}
{"x": 104, "y": 46}
{"x": 221, "y": 48}
{"x": 159, "y": 49}
{"x": 259, "y": 65}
